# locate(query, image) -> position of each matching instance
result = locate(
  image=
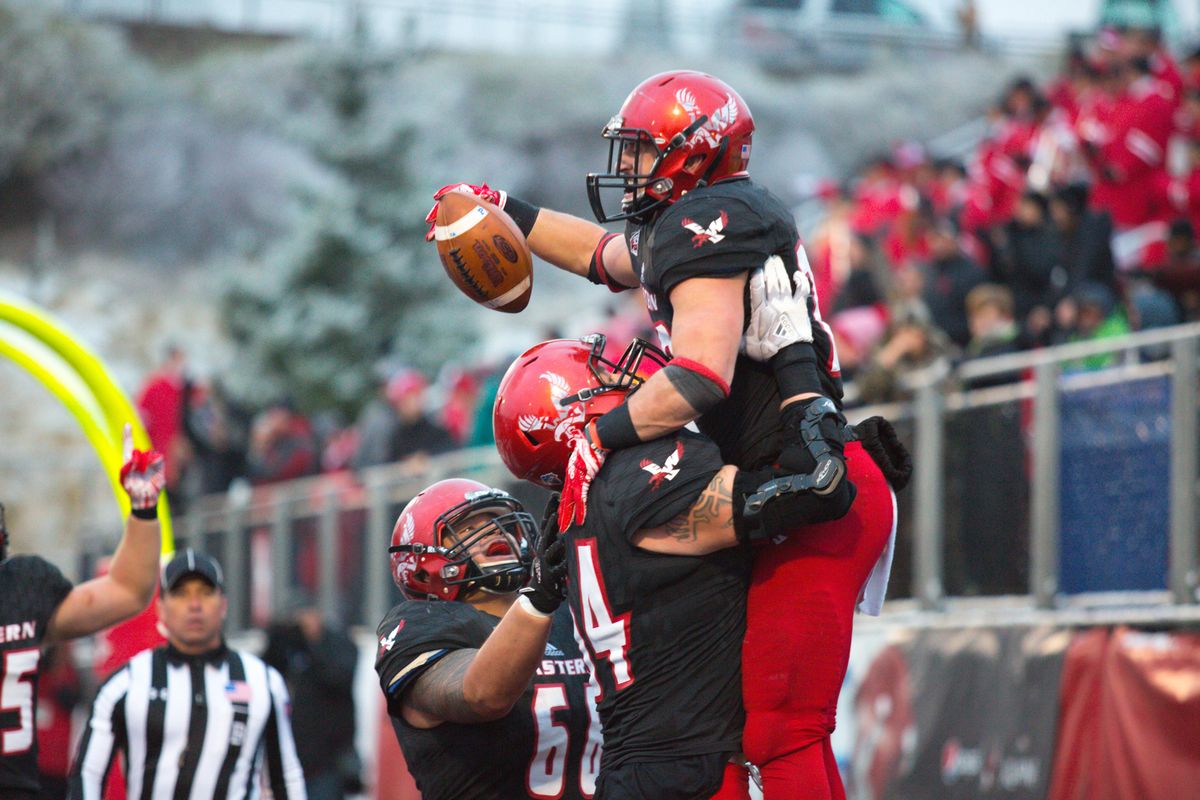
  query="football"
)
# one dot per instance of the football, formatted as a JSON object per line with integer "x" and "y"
{"x": 483, "y": 252}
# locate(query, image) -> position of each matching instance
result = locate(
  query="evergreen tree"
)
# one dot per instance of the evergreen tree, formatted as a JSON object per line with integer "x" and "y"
{"x": 355, "y": 286}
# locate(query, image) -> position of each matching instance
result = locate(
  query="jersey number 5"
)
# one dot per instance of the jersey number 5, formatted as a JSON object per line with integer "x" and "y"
{"x": 16, "y": 694}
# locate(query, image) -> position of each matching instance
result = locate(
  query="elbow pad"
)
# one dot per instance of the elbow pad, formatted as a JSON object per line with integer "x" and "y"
{"x": 771, "y": 502}
{"x": 701, "y": 387}
{"x": 596, "y": 272}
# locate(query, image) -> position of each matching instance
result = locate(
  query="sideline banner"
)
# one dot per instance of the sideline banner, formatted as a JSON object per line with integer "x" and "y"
{"x": 1130, "y": 717}
{"x": 963, "y": 713}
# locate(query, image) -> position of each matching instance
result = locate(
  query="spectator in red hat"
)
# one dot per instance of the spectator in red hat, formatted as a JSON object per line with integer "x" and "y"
{"x": 415, "y": 435}
{"x": 462, "y": 391}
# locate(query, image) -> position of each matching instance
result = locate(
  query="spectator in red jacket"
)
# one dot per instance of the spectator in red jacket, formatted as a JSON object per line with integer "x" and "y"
{"x": 282, "y": 445}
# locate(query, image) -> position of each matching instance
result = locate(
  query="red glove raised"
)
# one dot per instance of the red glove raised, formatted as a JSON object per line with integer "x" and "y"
{"x": 496, "y": 197}
{"x": 585, "y": 461}
{"x": 142, "y": 476}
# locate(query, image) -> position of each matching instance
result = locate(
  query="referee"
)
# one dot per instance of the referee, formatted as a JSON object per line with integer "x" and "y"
{"x": 194, "y": 719}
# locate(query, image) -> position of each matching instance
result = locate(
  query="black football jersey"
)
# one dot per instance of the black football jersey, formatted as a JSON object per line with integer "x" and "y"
{"x": 663, "y": 632}
{"x": 548, "y": 746}
{"x": 725, "y": 229}
{"x": 31, "y": 588}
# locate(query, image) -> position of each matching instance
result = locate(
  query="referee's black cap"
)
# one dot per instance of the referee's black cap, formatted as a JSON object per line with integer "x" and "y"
{"x": 192, "y": 562}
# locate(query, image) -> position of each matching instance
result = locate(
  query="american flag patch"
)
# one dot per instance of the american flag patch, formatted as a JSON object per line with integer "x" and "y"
{"x": 237, "y": 692}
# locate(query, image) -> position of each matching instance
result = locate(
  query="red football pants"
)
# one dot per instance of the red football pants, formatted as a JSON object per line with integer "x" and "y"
{"x": 799, "y": 618}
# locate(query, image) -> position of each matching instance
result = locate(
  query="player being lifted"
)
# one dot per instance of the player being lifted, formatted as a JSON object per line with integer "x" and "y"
{"x": 695, "y": 228}
{"x": 39, "y": 606}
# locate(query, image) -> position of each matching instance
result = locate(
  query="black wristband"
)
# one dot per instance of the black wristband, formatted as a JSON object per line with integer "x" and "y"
{"x": 615, "y": 429}
{"x": 795, "y": 368}
{"x": 522, "y": 213}
{"x": 145, "y": 513}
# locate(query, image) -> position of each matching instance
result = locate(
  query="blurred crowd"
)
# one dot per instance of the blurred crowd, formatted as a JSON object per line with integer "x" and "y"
{"x": 1074, "y": 218}
{"x": 212, "y": 441}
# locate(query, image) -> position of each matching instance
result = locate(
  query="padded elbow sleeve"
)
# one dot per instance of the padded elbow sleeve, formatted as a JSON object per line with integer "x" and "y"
{"x": 770, "y": 502}
{"x": 701, "y": 387}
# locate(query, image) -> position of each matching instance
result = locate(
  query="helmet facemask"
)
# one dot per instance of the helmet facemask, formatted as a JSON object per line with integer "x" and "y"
{"x": 642, "y": 193}
{"x": 504, "y": 564}
{"x": 624, "y": 375}
{"x": 507, "y": 557}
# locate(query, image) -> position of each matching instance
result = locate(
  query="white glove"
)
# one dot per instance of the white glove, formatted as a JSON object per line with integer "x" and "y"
{"x": 778, "y": 316}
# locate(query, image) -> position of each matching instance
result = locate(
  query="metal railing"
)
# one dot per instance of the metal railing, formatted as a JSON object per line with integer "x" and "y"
{"x": 332, "y": 532}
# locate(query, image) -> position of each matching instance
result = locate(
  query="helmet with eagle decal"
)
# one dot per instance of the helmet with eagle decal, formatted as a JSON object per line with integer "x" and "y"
{"x": 558, "y": 385}
{"x": 677, "y": 131}
{"x": 458, "y": 536}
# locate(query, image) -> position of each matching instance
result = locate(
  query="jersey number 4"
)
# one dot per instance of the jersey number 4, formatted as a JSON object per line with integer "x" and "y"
{"x": 16, "y": 694}
{"x": 607, "y": 635}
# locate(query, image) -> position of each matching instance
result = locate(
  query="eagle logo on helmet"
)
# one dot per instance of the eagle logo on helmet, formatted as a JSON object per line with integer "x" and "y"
{"x": 408, "y": 562}
{"x": 710, "y": 132}
{"x": 567, "y": 418}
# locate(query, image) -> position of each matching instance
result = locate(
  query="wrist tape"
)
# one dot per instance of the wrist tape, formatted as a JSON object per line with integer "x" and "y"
{"x": 522, "y": 213}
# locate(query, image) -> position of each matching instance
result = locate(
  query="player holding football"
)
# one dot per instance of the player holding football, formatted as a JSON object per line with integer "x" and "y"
{"x": 39, "y": 606}
{"x": 658, "y": 571}
{"x": 696, "y": 226}
{"x": 456, "y": 659}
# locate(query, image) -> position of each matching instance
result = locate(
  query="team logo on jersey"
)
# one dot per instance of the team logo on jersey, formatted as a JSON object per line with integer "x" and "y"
{"x": 668, "y": 470}
{"x": 386, "y": 643}
{"x": 635, "y": 240}
{"x": 711, "y": 131}
{"x": 702, "y": 235}
{"x": 567, "y": 418}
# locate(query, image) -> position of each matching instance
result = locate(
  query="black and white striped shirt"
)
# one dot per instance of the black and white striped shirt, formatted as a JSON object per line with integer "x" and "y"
{"x": 208, "y": 727}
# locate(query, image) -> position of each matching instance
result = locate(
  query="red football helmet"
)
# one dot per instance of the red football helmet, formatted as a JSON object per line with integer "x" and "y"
{"x": 432, "y": 543}
{"x": 674, "y": 116}
{"x": 558, "y": 385}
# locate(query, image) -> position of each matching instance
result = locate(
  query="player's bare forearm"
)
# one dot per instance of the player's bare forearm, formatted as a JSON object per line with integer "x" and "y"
{"x": 704, "y": 528}
{"x": 506, "y": 662}
{"x": 471, "y": 686}
{"x": 569, "y": 242}
{"x": 125, "y": 591}
{"x": 657, "y": 408}
{"x": 134, "y": 565}
{"x": 706, "y": 330}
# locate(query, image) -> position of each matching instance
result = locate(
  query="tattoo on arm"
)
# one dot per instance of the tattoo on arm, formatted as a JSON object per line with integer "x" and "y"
{"x": 439, "y": 692}
{"x": 712, "y": 510}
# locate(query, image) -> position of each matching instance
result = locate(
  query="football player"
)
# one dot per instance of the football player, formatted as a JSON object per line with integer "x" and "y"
{"x": 658, "y": 572}
{"x": 695, "y": 227}
{"x": 39, "y": 606}
{"x": 456, "y": 659}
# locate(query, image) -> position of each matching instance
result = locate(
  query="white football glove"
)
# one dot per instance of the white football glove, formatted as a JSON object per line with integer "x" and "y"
{"x": 778, "y": 316}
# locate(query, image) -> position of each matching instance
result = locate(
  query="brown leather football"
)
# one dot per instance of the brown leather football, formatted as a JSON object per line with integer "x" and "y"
{"x": 483, "y": 252}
